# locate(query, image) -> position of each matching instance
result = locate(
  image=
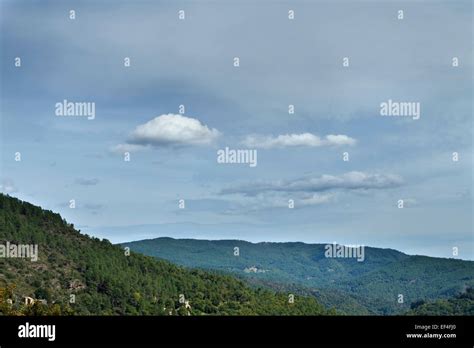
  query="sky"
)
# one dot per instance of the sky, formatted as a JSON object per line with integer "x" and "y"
{"x": 300, "y": 156}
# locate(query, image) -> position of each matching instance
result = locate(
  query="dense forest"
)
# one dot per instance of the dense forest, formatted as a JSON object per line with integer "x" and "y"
{"x": 462, "y": 304}
{"x": 369, "y": 287}
{"x": 81, "y": 275}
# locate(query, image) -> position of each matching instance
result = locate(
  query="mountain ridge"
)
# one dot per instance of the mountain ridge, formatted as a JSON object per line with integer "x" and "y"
{"x": 377, "y": 282}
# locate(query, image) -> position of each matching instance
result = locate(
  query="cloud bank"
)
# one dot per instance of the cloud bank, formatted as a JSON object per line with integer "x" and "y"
{"x": 289, "y": 140}
{"x": 347, "y": 181}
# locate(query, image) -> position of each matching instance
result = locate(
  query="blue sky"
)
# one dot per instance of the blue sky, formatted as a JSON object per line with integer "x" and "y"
{"x": 282, "y": 62}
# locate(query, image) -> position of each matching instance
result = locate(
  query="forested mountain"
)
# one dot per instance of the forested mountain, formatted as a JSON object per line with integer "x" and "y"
{"x": 105, "y": 281}
{"x": 373, "y": 286}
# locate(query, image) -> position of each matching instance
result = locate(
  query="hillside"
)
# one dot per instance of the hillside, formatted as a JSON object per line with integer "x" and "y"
{"x": 352, "y": 287}
{"x": 105, "y": 281}
{"x": 462, "y": 304}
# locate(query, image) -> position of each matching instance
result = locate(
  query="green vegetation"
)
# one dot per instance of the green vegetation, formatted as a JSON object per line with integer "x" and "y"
{"x": 462, "y": 304}
{"x": 105, "y": 281}
{"x": 368, "y": 287}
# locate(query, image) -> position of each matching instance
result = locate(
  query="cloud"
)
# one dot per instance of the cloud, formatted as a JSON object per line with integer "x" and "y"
{"x": 275, "y": 200}
{"x": 122, "y": 148}
{"x": 86, "y": 182}
{"x": 316, "y": 199}
{"x": 300, "y": 199}
{"x": 173, "y": 130}
{"x": 347, "y": 181}
{"x": 304, "y": 139}
{"x": 7, "y": 186}
{"x": 409, "y": 202}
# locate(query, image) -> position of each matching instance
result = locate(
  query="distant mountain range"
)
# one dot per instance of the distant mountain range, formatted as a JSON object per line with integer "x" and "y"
{"x": 386, "y": 282}
{"x": 70, "y": 273}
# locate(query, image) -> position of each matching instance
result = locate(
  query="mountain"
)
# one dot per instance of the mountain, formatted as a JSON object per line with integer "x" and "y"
{"x": 373, "y": 286}
{"x": 79, "y": 275}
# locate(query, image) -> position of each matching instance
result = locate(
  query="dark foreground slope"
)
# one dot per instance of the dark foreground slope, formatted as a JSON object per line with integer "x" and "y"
{"x": 373, "y": 286}
{"x": 104, "y": 281}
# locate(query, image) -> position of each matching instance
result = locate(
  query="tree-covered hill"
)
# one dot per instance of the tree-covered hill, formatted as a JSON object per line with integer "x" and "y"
{"x": 373, "y": 286}
{"x": 105, "y": 281}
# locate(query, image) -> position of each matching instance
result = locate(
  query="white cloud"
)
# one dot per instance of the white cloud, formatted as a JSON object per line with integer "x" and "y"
{"x": 7, "y": 186}
{"x": 409, "y": 202}
{"x": 173, "y": 130}
{"x": 122, "y": 148}
{"x": 300, "y": 199}
{"x": 304, "y": 139}
{"x": 271, "y": 200}
{"x": 347, "y": 181}
{"x": 316, "y": 199}
{"x": 339, "y": 139}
